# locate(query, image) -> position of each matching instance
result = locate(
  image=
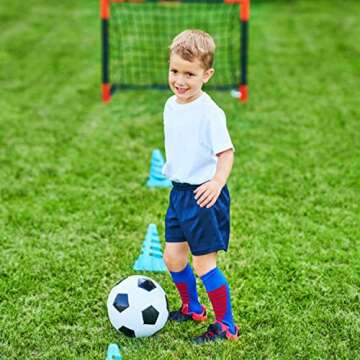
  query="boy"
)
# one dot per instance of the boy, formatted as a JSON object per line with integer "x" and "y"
{"x": 199, "y": 158}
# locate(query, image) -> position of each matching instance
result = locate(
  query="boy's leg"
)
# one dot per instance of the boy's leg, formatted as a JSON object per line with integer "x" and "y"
{"x": 176, "y": 255}
{"x": 218, "y": 291}
{"x": 176, "y": 259}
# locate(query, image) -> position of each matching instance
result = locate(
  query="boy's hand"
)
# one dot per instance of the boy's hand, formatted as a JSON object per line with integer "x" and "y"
{"x": 207, "y": 193}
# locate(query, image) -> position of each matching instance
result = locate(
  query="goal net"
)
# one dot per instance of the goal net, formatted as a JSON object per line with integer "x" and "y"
{"x": 137, "y": 35}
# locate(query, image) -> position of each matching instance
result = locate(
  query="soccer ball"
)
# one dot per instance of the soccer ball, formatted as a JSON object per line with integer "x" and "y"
{"x": 137, "y": 306}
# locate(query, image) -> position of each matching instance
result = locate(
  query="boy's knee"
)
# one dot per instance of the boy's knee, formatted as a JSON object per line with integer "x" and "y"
{"x": 168, "y": 258}
{"x": 175, "y": 261}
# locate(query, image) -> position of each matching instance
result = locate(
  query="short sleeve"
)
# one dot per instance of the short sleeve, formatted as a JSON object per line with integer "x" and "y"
{"x": 219, "y": 136}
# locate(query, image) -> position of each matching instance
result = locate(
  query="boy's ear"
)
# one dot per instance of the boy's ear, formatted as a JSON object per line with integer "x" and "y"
{"x": 208, "y": 74}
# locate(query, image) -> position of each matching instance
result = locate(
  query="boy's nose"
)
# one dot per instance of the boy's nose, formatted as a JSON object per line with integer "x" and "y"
{"x": 180, "y": 82}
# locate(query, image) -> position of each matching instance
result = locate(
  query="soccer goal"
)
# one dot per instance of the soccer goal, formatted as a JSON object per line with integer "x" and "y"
{"x": 136, "y": 35}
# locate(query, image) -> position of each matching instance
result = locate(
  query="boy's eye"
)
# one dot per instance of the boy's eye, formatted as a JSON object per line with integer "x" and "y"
{"x": 190, "y": 74}
{"x": 173, "y": 71}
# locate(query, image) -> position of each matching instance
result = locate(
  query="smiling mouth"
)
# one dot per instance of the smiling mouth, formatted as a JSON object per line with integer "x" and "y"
{"x": 180, "y": 90}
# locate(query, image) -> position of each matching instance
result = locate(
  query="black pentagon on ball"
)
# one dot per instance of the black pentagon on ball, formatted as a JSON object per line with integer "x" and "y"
{"x": 146, "y": 284}
{"x": 150, "y": 315}
{"x": 121, "y": 302}
{"x": 127, "y": 331}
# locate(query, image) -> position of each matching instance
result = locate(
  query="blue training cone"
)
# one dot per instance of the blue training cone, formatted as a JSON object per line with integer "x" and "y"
{"x": 151, "y": 257}
{"x": 152, "y": 235}
{"x": 113, "y": 352}
{"x": 156, "y": 177}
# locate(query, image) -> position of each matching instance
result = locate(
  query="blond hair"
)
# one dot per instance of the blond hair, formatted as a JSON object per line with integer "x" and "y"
{"x": 194, "y": 44}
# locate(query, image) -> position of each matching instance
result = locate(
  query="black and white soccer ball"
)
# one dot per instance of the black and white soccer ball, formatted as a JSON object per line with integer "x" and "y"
{"x": 137, "y": 306}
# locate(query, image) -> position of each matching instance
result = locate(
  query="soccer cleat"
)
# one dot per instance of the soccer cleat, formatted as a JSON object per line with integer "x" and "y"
{"x": 216, "y": 331}
{"x": 183, "y": 314}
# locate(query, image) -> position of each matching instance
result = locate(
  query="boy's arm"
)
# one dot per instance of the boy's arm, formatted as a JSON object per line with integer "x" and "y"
{"x": 207, "y": 193}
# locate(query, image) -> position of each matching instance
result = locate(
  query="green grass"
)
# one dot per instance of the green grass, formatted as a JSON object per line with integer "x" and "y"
{"x": 74, "y": 208}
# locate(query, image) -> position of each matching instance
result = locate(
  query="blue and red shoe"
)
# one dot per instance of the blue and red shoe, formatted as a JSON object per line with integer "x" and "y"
{"x": 216, "y": 331}
{"x": 183, "y": 314}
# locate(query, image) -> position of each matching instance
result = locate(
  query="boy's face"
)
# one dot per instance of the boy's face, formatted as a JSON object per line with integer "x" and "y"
{"x": 187, "y": 78}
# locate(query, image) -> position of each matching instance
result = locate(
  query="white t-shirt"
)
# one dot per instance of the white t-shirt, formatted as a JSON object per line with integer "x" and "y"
{"x": 194, "y": 133}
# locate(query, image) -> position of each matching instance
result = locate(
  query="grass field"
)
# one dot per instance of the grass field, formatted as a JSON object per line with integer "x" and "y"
{"x": 74, "y": 208}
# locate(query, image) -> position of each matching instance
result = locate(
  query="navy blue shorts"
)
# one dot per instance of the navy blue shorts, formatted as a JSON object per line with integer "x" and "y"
{"x": 206, "y": 230}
